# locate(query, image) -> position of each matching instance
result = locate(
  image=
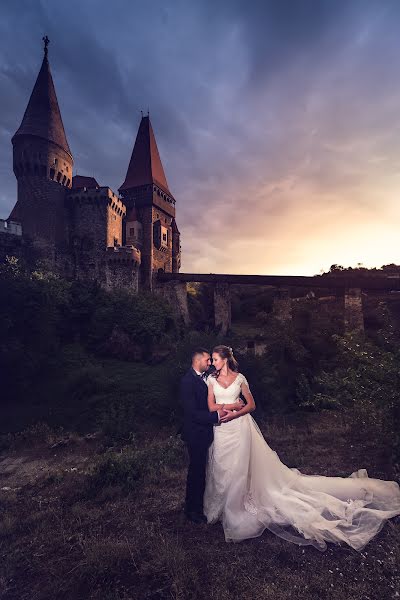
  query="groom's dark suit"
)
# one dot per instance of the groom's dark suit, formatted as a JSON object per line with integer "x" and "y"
{"x": 198, "y": 434}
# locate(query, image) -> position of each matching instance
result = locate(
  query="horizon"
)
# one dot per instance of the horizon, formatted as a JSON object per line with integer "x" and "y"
{"x": 310, "y": 180}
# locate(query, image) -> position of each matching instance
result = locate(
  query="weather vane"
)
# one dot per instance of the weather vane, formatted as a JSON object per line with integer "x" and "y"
{"x": 46, "y": 43}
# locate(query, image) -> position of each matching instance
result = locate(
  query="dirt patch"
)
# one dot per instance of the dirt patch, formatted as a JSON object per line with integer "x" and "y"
{"x": 58, "y": 542}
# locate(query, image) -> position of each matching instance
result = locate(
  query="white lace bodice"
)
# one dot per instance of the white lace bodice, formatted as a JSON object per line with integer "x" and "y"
{"x": 230, "y": 394}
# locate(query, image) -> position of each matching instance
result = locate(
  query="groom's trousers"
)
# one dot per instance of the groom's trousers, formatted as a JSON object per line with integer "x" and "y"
{"x": 196, "y": 477}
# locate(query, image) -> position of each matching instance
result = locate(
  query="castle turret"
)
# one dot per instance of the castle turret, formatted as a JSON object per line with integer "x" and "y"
{"x": 134, "y": 229}
{"x": 176, "y": 248}
{"x": 42, "y": 163}
{"x": 146, "y": 188}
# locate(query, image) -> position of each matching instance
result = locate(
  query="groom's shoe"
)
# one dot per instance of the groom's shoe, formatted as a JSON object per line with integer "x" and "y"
{"x": 195, "y": 517}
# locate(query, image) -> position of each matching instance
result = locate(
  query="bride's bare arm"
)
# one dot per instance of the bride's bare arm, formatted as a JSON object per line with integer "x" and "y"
{"x": 249, "y": 407}
{"x": 213, "y": 406}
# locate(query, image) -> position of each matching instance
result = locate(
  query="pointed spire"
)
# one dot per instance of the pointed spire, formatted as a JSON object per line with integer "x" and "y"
{"x": 174, "y": 227}
{"x": 42, "y": 116}
{"x": 145, "y": 166}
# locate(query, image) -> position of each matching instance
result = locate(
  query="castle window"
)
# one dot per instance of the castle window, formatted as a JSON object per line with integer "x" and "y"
{"x": 68, "y": 182}
{"x": 164, "y": 237}
{"x": 58, "y": 176}
{"x": 56, "y": 161}
{"x": 52, "y": 173}
{"x": 64, "y": 178}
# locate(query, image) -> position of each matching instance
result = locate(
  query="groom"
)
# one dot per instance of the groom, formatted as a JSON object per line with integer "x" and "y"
{"x": 198, "y": 431}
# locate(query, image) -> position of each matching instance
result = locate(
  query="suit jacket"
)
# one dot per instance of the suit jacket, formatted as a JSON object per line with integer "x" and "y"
{"x": 198, "y": 421}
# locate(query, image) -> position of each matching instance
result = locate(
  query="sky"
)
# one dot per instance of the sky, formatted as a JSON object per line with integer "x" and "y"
{"x": 277, "y": 121}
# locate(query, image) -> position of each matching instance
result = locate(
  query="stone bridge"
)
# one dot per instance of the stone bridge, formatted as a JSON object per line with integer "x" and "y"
{"x": 173, "y": 287}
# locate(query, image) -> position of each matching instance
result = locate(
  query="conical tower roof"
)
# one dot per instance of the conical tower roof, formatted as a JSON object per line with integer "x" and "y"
{"x": 145, "y": 166}
{"x": 42, "y": 116}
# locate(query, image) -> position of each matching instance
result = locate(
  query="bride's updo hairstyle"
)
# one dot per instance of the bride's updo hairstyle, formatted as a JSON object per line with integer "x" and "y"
{"x": 226, "y": 352}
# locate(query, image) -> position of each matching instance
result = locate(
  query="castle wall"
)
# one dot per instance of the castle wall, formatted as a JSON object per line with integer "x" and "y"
{"x": 40, "y": 211}
{"x": 94, "y": 223}
{"x": 122, "y": 268}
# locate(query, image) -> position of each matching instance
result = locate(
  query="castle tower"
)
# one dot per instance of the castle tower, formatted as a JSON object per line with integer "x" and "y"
{"x": 134, "y": 229}
{"x": 42, "y": 164}
{"x": 146, "y": 189}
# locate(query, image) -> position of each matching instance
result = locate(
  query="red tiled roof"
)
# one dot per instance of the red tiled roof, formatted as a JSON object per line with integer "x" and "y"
{"x": 42, "y": 116}
{"x": 145, "y": 166}
{"x": 80, "y": 181}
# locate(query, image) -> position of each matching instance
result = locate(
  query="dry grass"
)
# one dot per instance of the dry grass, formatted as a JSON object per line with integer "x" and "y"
{"x": 58, "y": 541}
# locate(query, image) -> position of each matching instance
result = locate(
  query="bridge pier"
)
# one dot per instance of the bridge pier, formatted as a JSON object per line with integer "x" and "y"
{"x": 222, "y": 307}
{"x": 175, "y": 293}
{"x": 282, "y": 305}
{"x": 353, "y": 311}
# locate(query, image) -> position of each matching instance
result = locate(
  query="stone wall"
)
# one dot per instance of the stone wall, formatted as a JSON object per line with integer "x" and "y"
{"x": 222, "y": 307}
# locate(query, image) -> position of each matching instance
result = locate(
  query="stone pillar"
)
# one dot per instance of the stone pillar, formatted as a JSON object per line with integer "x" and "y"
{"x": 282, "y": 305}
{"x": 175, "y": 293}
{"x": 222, "y": 307}
{"x": 353, "y": 312}
{"x": 182, "y": 300}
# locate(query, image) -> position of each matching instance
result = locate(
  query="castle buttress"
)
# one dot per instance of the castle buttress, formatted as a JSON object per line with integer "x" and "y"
{"x": 76, "y": 227}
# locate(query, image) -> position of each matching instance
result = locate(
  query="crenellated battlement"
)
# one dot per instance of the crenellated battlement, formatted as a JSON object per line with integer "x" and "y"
{"x": 100, "y": 196}
{"x": 123, "y": 255}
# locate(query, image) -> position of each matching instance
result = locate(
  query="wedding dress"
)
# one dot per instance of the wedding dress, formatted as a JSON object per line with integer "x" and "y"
{"x": 249, "y": 489}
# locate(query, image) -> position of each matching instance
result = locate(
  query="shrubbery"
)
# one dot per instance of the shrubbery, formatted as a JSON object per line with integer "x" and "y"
{"x": 74, "y": 355}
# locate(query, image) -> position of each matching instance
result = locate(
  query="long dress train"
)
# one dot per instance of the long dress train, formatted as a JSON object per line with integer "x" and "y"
{"x": 249, "y": 489}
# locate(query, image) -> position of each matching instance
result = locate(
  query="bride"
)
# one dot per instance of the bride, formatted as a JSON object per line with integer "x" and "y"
{"x": 249, "y": 489}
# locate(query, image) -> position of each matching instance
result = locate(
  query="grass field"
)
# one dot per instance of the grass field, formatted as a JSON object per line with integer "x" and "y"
{"x": 72, "y": 530}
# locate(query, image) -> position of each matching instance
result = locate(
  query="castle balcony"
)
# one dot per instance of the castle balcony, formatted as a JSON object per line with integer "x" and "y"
{"x": 124, "y": 255}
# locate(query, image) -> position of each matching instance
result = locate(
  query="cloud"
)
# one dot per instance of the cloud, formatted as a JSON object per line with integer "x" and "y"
{"x": 277, "y": 121}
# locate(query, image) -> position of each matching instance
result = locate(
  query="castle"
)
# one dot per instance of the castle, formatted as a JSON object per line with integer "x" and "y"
{"x": 76, "y": 227}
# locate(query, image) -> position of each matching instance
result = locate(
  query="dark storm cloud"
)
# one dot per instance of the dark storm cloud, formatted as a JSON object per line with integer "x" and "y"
{"x": 269, "y": 115}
